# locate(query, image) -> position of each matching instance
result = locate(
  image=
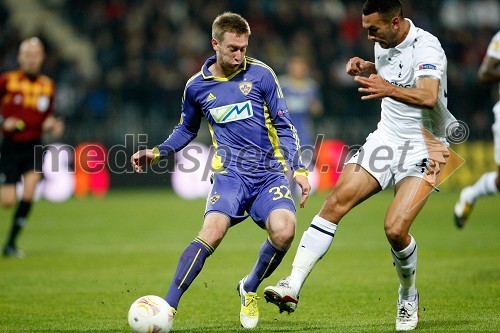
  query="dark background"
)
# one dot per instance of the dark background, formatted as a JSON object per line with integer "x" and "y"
{"x": 121, "y": 65}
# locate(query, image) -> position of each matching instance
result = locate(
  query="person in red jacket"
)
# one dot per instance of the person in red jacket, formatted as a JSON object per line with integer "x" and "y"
{"x": 26, "y": 108}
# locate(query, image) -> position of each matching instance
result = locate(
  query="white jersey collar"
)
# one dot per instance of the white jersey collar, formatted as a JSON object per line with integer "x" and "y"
{"x": 410, "y": 38}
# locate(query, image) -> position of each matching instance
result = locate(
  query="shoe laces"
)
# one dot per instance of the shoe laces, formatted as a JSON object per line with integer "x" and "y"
{"x": 284, "y": 282}
{"x": 172, "y": 314}
{"x": 251, "y": 303}
{"x": 403, "y": 313}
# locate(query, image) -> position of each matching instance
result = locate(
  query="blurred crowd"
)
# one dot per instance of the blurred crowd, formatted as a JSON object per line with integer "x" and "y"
{"x": 147, "y": 49}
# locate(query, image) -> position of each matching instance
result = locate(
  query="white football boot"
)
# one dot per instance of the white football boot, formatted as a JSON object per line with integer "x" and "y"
{"x": 282, "y": 295}
{"x": 407, "y": 317}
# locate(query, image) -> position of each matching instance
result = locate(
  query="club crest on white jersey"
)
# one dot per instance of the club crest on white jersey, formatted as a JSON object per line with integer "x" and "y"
{"x": 232, "y": 112}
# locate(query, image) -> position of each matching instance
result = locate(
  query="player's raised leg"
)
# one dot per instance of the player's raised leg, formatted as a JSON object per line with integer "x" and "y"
{"x": 488, "y": 184}
{"x": 354, "y": 185}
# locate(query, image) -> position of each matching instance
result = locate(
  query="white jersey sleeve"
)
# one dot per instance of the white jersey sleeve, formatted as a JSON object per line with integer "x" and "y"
{"x": 430, "y": 60}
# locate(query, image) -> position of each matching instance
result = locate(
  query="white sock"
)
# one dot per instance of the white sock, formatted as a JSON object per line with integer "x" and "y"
{"x": 484, "y": 186}
{"x": 314, "y": 243}
{"x": 406, "y": 267}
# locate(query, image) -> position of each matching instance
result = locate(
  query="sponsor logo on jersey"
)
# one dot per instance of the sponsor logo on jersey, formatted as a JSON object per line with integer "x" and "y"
{"x": 399, "y": 84}
{"x": 246, "y": 87}
{"x": 233, "y": 112}
{"x": 427, "y": 66}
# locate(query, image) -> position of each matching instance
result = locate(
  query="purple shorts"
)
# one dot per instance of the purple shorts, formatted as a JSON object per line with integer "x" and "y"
{"x": 240, "y": 196}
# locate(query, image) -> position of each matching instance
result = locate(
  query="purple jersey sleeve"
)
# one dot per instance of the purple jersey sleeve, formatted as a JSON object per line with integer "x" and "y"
{"x": 288, "y": 138}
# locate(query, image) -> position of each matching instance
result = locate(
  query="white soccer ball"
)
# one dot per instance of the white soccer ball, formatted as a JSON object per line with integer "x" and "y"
{"x": 150, "y": 314}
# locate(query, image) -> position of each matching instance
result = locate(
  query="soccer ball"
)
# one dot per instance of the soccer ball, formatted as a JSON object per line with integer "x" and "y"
{"x": 150, "y": 314}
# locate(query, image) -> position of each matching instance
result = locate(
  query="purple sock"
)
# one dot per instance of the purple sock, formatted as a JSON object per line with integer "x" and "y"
{"x": 269, "y": 259}
{"x": 190, "y": 265}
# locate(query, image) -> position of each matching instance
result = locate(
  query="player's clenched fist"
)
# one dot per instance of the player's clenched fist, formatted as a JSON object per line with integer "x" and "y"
{"x": 356, "y": 66}
{"x": 142, "y": 158}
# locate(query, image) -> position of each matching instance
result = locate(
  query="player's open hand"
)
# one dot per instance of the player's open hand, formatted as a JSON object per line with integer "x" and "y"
{"x": 303, "y": 182}
{"x": 374, "y": 87}
{"x": 142, "y": 158}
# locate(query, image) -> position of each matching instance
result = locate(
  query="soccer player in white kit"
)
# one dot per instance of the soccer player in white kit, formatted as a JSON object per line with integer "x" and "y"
{"x": 408, "y": 150}
{"x": 489, "y": 183}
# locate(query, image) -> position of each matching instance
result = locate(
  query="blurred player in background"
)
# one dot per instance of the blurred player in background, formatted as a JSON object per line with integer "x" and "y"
{"x": 27, "y": 98}
{"x": 253, "y": 136}
{"x": 489, "y": 183}
{"x": 408, "y": 150}
{"x": 302, "y": 97}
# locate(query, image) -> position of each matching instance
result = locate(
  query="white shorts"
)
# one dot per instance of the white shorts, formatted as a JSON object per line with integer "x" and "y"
{"x": 389, "y": 162}
{"x": 496, "y": 132}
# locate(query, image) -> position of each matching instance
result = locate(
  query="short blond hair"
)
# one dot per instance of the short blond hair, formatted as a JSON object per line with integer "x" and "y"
{"x": 229, "y": 22}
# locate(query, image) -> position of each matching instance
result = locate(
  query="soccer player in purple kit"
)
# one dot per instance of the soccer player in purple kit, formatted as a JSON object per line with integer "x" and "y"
{"x": 255, "y": 142}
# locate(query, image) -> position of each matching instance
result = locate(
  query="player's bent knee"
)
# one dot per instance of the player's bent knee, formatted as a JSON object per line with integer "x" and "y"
{"x": 396, "y": 234}
{"x": 287, "y": 235}
{"x": 283, "y": 237}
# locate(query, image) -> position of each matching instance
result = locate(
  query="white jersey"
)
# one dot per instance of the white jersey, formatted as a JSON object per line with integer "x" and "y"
{"x": 494, "y": 52}
{"x": 419, "y": 55}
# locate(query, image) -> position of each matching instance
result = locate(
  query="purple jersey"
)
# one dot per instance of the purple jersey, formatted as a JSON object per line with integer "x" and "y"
{"x": 247, "y": 117}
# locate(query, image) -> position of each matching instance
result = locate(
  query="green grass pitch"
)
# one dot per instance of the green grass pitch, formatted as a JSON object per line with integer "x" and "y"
{"x": 89, "y": 259}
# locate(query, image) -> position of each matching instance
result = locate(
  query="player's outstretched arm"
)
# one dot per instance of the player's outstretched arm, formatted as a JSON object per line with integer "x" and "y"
{"x": 143, "y": 158}
{"x": 303, "y": 182}
{"x": 357, "y": 66}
